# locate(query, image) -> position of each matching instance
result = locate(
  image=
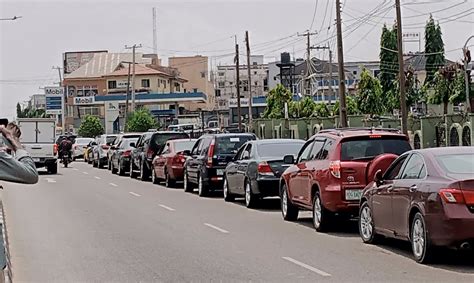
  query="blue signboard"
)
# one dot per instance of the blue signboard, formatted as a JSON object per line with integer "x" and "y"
{"x": 53, "y": 104}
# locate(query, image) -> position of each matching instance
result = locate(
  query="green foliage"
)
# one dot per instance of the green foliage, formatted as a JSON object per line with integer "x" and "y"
{"x": 434, "y": 49}
{"x": 90, "y": 127}
{"x": 306, "y": 107}
{"x": 369, "y": 95}
{"x": 141, "y": 121}
{"x": 351, "y": 106}
{"x": 413, "y": 93}
{"x": 458, "y": 94}
{"x": 276, "y": 100}
{"x": 448, "y": 86}
{"x": 29, "y": 112}
{"x": 388, "y": 65}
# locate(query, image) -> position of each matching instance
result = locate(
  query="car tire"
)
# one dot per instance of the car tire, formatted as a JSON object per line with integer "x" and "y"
{"x": 133, "y": 175}
{"x": 94, "y": 163}
{"x": 366, "y": 225}
{"x": 169, "y": 183}
{"x": 288, "y": 210}
{"x": 143, "y": 174}
{"x": 228, "y": 196}
{"x": 109, "y": 164}
{"x": 321, "y": 216}
{"x": 154, "y": 179}
{"x": 120, "y": 170}
{"x": 53, "y": 168}
{"x": 188, "y": 187}
{"x": 112, "y": 168}
{"x": 250, "y": 198}
{"x": 202, "y": 189}
{"x": 422, "y": 249}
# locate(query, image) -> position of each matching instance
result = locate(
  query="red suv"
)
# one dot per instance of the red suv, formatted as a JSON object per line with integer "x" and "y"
{"x": 331, "y": 171}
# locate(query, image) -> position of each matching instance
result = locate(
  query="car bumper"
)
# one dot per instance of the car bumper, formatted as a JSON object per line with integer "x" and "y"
{"x": 177, "y": 172}
{"x": 334, "y": 200}
{"x": 42, "y": 162}
{"x": 452, "y": 228}
{"x": 214, "y": 178}
{"x": 266, "y": 186}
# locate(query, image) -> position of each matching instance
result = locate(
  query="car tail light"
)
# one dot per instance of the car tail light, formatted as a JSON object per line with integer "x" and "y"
{"x": 335, "y": 168}
{"x": 104, "y": 146}
{"x": 150, "y": 153}
{"x": 264, "y": 169}
{"x": 179, "y": 159}
{"x": 210, "y": 153}
{"x": 55, "y": 149}
{"x": 451, "y": 195}
{"x": 127, "y": 153}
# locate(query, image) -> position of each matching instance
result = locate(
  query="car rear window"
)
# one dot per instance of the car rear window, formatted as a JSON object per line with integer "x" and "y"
{"x": 184, "y": 145}
{"x": 110, "y": 139}
{"x": 126, "y": 142}
{"x": 230, "y": 144}
{"x": 161, "y": 138}
{"x": 457, "y": 163}
{"x": 279, "y": 149}
{"x": 83, "y": 141}
{"x": 367, "y": 148}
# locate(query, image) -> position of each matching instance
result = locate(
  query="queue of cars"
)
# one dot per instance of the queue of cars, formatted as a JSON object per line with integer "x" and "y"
{"x": 423, "y": 196}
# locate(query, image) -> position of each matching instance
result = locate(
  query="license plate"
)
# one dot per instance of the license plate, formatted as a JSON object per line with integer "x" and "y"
{"x": 36, "y": 159}
{"x": 219, "y": 172}
{"x": 353, "y": 194}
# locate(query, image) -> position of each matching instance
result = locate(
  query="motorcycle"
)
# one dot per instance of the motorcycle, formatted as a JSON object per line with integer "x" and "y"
{"x": 66, "y": 159}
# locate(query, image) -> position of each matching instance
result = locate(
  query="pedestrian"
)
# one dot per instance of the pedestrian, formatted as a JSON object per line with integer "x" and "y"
{"x": 16, "y": 165}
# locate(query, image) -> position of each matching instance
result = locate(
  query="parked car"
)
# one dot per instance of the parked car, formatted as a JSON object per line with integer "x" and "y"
{"x": 168, "y": 165}
{"x": 115, "y": 144}
{"x": 207, "y": 161}
{"x": 256, "y": 169}
{"x": 148, "y": 145}
{"x": 99, "y": 152}
{"x": 122, "y": 152}
{"x": 426, "y": 197}
{"x": 79, "y": 146}
{"x": 331, "y": 171}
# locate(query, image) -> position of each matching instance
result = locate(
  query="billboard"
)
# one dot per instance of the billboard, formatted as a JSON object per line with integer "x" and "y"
{"x": 74, "y": 60}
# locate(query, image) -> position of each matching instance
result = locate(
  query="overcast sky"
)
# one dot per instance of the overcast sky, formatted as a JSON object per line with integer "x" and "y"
{"x": 30, "y": 46}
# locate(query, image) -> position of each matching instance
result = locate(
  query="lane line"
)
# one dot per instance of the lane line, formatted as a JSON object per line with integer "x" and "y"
{"x": 97, "y": 177}
{"x": 50, "y": 180}
{"x": 313, "y": 269}
{"x": 75, "y": 169}
{"x": 167, "y": 207}
{"x": 134, "y": 194}
{"x": 216, "y": 228}
{"x": 113, "y": 185}
{"x": 85, "y": 173}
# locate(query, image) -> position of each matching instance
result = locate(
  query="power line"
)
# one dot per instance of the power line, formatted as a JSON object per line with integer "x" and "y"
{"x": 431, "y": 12}
{"x": 314, "y": 15}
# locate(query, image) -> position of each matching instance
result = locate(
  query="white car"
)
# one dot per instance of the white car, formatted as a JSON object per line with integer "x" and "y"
{"x": 78, "y": 147}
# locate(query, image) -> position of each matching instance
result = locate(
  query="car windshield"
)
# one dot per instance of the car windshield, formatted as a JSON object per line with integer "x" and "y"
{"x": 110, "y": 139}
{"x": 230, "y": 144}
{"x": 367, "y": 148}
{"x": 278, "y": 149}
{"x": 184, "y": 145}
{"x": 161, "y": 138}
{"x": 457, "y": 163}
{"x": 83, "y": 141}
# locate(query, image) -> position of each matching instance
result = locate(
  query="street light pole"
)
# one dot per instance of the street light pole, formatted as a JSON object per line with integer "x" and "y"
{"x": 466, "y": 75}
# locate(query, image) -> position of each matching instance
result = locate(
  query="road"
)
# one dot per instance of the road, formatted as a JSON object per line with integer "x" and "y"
{"x": 86, "y": 224}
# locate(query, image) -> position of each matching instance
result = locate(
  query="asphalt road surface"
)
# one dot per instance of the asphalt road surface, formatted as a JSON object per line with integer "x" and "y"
{"x": 86, "y": 224}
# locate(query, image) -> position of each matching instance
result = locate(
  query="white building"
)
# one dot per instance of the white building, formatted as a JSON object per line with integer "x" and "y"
{"x": 38, "y": 101}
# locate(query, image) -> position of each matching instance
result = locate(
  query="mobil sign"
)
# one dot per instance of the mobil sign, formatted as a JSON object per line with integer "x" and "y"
{"x": 84, "y": 100}
{"x": 54, "y": 100}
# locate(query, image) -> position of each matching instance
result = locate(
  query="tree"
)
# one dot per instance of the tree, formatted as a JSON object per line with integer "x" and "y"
{"x": 448, "y": 86}
{"x": 350, "y": 104}
{"x": 90, "y": 127}
{"x": 388, "y": 65}
{"x": 141, "y": 121}
{"x": 369, "y": 95}
{"x": 434, "y": 50}
{"x": 276, "y": 100}
{"x": 19, "y": 112}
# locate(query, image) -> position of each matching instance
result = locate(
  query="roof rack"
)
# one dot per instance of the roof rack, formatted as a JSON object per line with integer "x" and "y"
{"x": 339, "y": 131}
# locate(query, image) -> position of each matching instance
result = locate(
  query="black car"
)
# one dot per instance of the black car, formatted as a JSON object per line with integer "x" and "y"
{"x": 121, "y": 154}
{"x": 256, "y": 169}
{"x": 116, "y": 143}
{"x": 148, "y": 145}
{"x": 207, "y": 160}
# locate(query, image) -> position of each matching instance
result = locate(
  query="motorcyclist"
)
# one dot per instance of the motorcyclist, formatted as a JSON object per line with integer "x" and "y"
{"x": 65, "y": 148}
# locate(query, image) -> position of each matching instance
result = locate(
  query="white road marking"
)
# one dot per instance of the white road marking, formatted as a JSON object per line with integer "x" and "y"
{"x": 134, "y": 194}
{"x": 50, "y": 180}
{"x": 167, "y": 207}
{"x": 85, "y": 173}
{"x": 314, "y": 269}
{"x": 97, "y": 177}
{"x": 216, "y": 228}
{"x": 113, "y": 185}
{"x": 75, "y": 169}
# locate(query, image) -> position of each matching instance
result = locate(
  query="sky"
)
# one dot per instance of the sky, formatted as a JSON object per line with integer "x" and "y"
{"x": 33, "y": 44}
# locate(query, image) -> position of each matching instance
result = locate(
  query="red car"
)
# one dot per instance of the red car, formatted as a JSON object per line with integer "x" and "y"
{"x": 168, "y": 164}
{"x": 331, "y": 171}
{"x": 427, "y": 197}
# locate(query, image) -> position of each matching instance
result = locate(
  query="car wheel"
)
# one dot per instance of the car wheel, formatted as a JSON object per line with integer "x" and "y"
{"x": 132, "y": 173}
{"x": 366, "y": 224}
{"x": 228, "y": 196}
{"x": 202, "y": 189}
{"x": 154, "y": 179}
{"x": 53, "y": 169}
{"x": 186, "y": 185}
{"x": 321, "y": 216}
{"x": 112, "y": 168}
{"x": 94, "y": 163}
{"x": 143, "y": 174}
{"x": 250, "y": 198}
{"x": 288, "y": 210}
{"x": 169, "y": 183}
{"x": 420, "y": 240}
{"x": 120, "y": 170}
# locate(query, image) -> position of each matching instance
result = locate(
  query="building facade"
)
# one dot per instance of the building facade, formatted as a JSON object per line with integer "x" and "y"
{"x": 37, "y": 101}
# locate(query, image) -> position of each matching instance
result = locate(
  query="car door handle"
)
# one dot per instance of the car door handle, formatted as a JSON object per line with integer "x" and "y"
{"x": 412, "y": 188}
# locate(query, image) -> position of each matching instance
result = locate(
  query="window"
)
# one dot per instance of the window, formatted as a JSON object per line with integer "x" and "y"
{"x": 166, "y": 149}
{"x": 164, "y": 83}
{"x": 305, "y": 151}
{"x": 394, "y": 170}
{"x": 221, "y": 84}
{"x": 203, "y": 74}
{"x": 255, "y": 72}
{"x": 196, "y": 147}
{"x": 146, "y": 83}
{"x": 91, "y": 110}
{"x": 246, "y": 88}
{"x": 247, "y": 151}
{"x": 367, "y": 148}
{"x": 276, "y": 149}
{"x": 195, "y": 90}
{"x": 218, "y": 92}
{"x": 221, "y": 74}
{"x": 231, "y": 83}
{"x": 414, "y": 168}
{"x": 159, "y": 82}
{"x": 328, "y": 146}
{"x": 177, "y": 87}
{"x": 317, "y": 148}
{"x": 112, "y": 84}
{"x": 256, "y": 83}
{"x": 457, "y": 163}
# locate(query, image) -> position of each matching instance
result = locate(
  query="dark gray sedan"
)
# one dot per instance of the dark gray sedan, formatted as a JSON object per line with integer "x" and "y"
{"x": 255, "y": 170}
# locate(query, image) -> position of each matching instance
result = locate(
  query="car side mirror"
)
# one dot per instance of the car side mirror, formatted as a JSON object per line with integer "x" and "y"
{"x": 94, "y": 144}
{"x": 378, "y": 177}
{"x": 186, "y": 152}
{"x": 132, "y": 144}
{"x": 289, "y": 159}
{"x": 113, "y": 147}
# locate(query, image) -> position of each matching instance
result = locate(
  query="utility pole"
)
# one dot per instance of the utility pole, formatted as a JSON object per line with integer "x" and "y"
{"x": 329, "y": 67}
{"x": 401, "y": 70}
{"x": 155, "y": 39}
{"x": 237, "y": 83}
{"x": 309, "y": 69}
{"x": 250, "y": 80}
{"x": 133, "y": 47}
{"x": 342, "y": 77}
{"x": 63, "y": 101}
{"x": 126, "y": 99}
{"x": 467, "y": 58}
